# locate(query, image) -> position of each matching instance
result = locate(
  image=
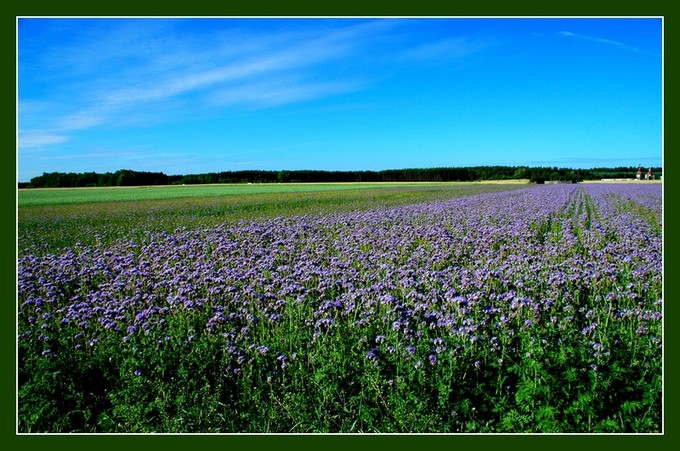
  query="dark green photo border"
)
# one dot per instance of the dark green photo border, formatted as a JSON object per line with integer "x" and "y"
{"x": 10, "y": 440}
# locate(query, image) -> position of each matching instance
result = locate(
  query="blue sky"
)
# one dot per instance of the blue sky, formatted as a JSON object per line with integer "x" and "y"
{"x": 196, "y": 95}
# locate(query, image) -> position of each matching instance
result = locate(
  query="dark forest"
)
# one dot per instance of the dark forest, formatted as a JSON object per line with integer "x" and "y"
{"x": 127, "y": 177}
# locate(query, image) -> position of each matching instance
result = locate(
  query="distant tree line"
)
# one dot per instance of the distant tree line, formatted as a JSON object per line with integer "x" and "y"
{"x": 123, "y": 177}
{"x": 127, "y": 177}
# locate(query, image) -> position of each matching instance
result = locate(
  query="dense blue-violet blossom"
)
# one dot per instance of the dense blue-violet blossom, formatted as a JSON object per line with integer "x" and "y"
{"x": 421, "y": 280}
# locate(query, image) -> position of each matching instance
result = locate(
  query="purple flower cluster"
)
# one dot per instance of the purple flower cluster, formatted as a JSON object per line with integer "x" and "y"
{"x": 423, "y": 281}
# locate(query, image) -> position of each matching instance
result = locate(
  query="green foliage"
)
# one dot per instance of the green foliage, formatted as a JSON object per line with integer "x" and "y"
{"x": 175, "y": 381}
{"x": 66, "y": 196}
{"x": 629, "y": 206}
{"x": 180, "y": 378}
{"x": 127, "y": 177}
{"x": 53, "y": 219}
{"x": 123, "y": 177}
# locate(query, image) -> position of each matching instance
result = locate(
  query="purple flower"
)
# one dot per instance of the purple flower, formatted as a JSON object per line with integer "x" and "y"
{"x": 283, "y": 360}
{"x": 372, "y": 354}
{"x": 452, "y": 276}
{"x": 587, "y": 330}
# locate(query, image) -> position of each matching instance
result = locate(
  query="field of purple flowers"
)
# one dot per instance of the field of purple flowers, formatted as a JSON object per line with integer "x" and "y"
{"x": 532, "y": 310}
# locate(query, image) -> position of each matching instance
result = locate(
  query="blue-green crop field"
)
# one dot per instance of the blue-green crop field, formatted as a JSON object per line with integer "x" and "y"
{"x": 448, "y": 308}
{"x": 54, "y": 218}
{"x": 61, "y": 196}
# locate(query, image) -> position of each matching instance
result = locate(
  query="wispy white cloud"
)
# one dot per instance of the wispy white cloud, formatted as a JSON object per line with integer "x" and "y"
{"x": 281, "y": 92}
{"x": 584, "y": 162}
{"x": 599, "y": 40}
{"x": 40, "y": 139}
{"x": 157, "y": 66}
{"x": 111, "y": 75}
{"x": 447, "y": 49}
{"x": 80, "y": 121}
{"x": 293, "y": 52}
{"x": 591, "y": 38}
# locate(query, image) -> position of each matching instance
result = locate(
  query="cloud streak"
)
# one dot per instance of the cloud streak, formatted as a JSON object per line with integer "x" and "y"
{"x": 599, "y": 40}
{"x": 143, "y": 72}
{"x": 215, "y": 70}
{"x": 40, "y": 139}
{"x": 270, "y": 94}
{"x": 446, "y": 49}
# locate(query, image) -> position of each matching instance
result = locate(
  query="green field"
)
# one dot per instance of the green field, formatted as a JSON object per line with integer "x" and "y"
{"x": 49, "y": 219}
{"x": 63, "y": 196}
{"x": 534, "y": 310}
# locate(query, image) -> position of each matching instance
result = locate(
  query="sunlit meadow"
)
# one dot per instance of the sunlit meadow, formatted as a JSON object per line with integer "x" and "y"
{"x": 537, "y": 309}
